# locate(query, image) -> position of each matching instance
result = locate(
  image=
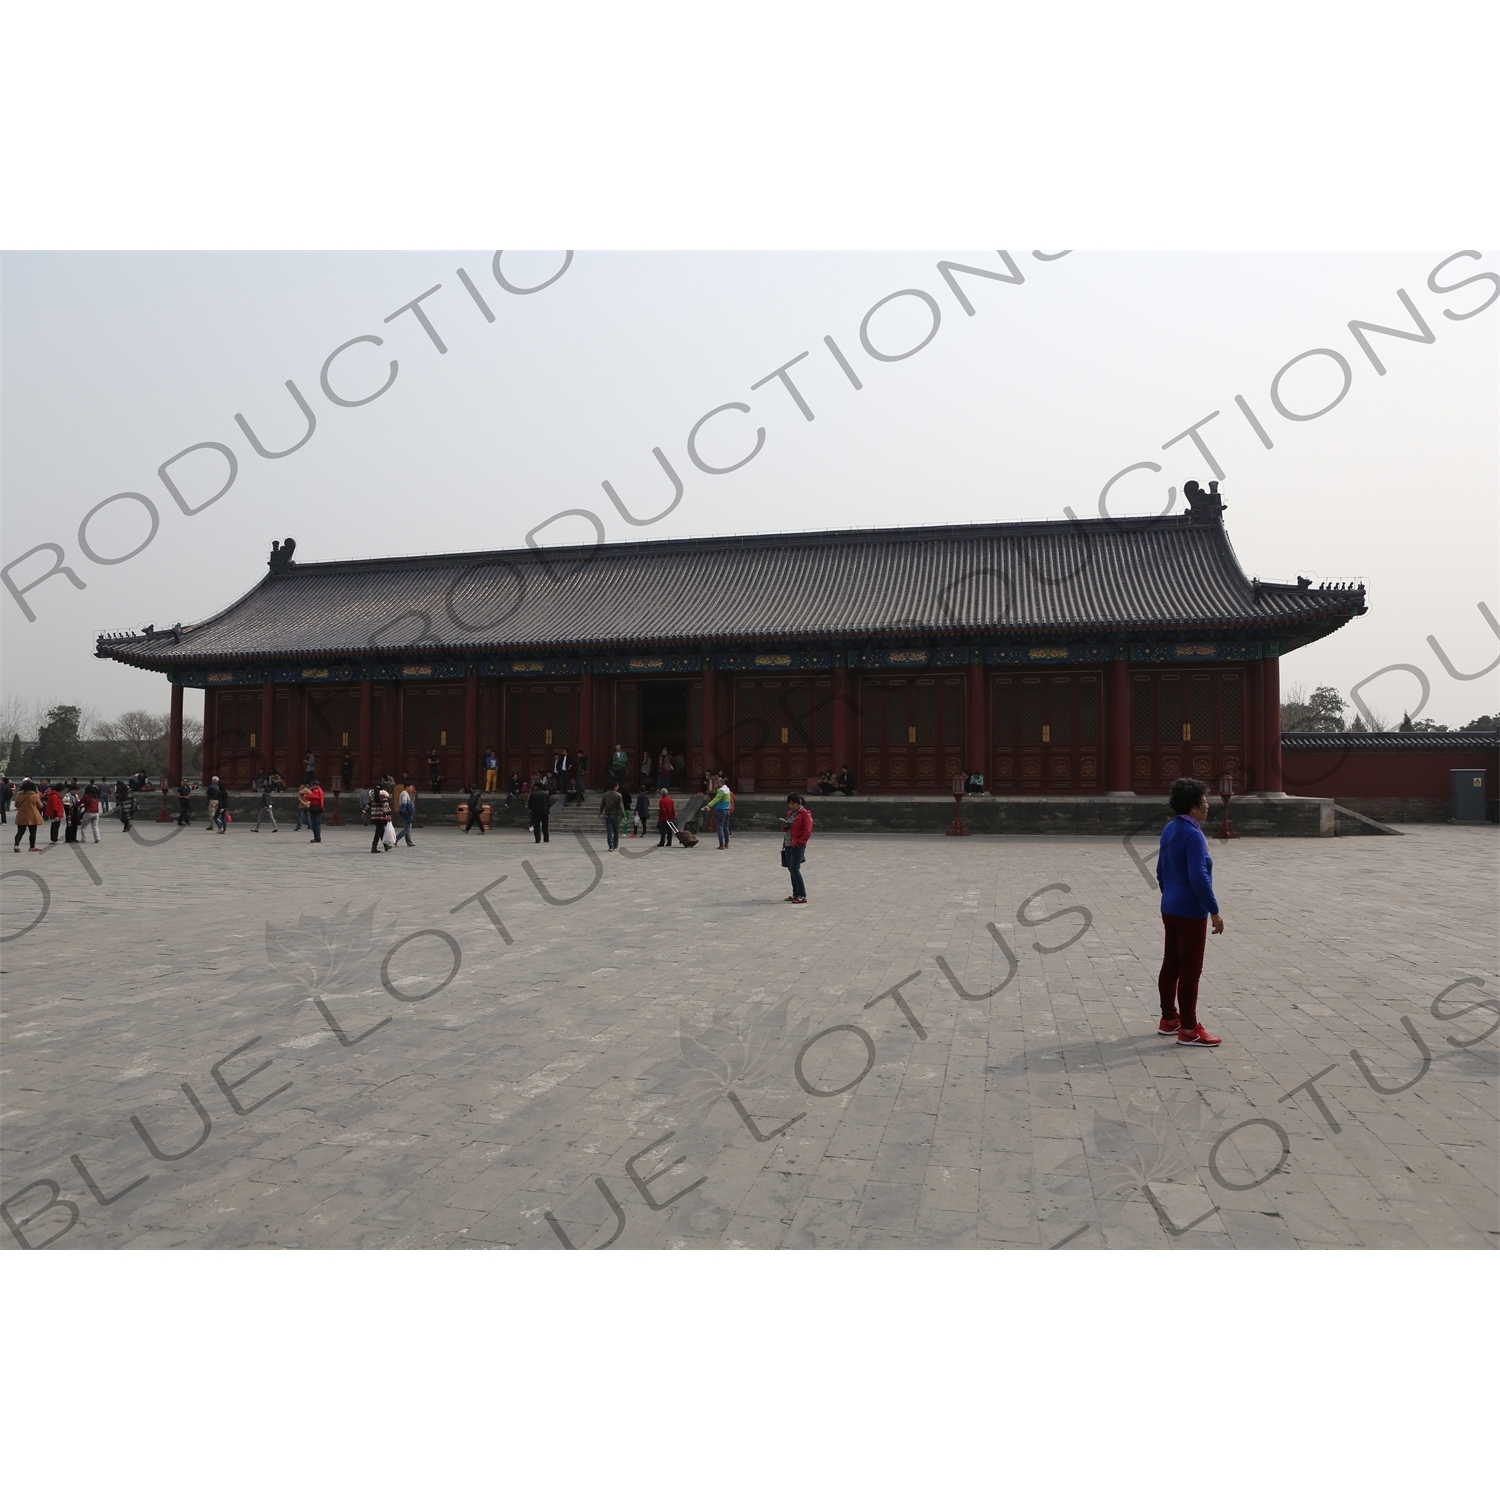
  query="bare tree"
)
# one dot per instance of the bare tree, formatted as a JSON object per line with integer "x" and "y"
{"x": 137, "y": 736}
{"x": 1294, "y": 708}
{"x": 19, "y": 716}
{"x": 138, "y": 740}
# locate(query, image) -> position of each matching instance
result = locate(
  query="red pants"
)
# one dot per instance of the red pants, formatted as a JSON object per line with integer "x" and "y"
{"x": 1181, "y": 966}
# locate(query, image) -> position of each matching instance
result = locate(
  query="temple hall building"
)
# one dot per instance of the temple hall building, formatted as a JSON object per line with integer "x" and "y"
{"x": 1058, "y": 658}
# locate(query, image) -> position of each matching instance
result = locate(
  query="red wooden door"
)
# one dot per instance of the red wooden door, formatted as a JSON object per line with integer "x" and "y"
{"x": 333, "y": 732}
{"x": 238, "y": 746}
{"x": 1046, "y": 732}
{"x": 1186, "y": 724}
{"x": 783, "y": 732}
{"x": 433, "y": 718}
{"x": 911, "y": 733}
{"x": 541, "y": 719}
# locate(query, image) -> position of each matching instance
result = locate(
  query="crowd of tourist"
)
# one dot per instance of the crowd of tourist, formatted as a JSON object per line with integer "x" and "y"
{"x": 71, "y": 810}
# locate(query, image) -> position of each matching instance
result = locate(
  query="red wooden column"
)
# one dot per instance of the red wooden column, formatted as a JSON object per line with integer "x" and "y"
{"x": 396, "y": 762}
{"x": 711, "y": 756}
{"x": 1270, "y": 698}
{"x": 1256, "y": 742}
{"x": 724, "y": 717}
{"x": 296, "y": 725}
{"x": 210, "y": 756}
{"x": 392, "y": 753}
{"x": 979, "y": 740}
{"x": 268, "y": 725}
{"x": 1119, "y": 727}
{"x": 585, "y": 746}
{"x": 471, "y": 726}
{"x": 841, "y": 717}
{"x": 366, "y": 730}
{"x": 502, "y": 687}
{"x": 174, "y": 737}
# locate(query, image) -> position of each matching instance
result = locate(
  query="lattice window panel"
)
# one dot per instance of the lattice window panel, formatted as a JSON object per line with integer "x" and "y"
{"x": 953, "y": 712}
{"x": 1231, "y": 711}
{"x": 1140, "y": 713}
{"x": 926, "y": 715}
{"x": 1061, "y": 711}
{"x": 1005, "y": 714}
{"x": 1031, "y": 713}
{"x": 1088, "y": 711}
{"x": 1170, "y": 698}
{"x": 1201, "y": 708}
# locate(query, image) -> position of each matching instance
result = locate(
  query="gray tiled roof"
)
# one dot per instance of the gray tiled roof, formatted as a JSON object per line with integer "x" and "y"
{"x": 1000, "y": 580}
{"x": 1457, "y": 739}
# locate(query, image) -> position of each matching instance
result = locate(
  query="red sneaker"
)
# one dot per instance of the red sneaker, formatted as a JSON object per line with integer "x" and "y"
{"x": 791, "y": 898}
{"x": 1197, "y": 1037}
{"x": 1170, "y": 1026}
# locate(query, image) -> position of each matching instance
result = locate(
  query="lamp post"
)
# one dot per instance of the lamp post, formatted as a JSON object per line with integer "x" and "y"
{"x": 957, "y": 829}
{"x": 1226, "y": 791}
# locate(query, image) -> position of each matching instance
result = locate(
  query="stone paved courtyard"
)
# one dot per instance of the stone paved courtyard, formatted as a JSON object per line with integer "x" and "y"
{"x": 249, "y": 1041}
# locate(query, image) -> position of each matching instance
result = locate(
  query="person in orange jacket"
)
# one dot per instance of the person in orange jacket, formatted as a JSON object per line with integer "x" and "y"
{"x": 28, "y": 813}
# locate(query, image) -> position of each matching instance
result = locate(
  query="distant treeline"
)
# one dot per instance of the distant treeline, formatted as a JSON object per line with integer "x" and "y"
{"x": 136, "y": 741}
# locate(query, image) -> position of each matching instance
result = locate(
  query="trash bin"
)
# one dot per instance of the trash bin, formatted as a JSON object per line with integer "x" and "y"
{"x": 1469, "y": 793}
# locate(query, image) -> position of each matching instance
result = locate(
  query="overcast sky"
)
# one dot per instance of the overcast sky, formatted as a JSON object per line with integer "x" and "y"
{"x": 114, "y": 362}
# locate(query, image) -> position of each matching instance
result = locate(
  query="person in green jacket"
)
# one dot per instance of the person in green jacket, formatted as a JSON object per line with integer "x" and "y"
{"x": 721, "y": 803}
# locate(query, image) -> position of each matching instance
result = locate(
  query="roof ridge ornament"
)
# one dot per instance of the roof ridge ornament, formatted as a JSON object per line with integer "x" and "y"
{"x": 281, "y": 554}
{"x": 1204, "y": 506}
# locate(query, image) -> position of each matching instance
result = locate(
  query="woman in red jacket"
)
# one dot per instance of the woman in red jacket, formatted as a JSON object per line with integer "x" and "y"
{"x": 315, "y": 805}
{"x": 53, "y": 810}
{"x": 798, "y": 823}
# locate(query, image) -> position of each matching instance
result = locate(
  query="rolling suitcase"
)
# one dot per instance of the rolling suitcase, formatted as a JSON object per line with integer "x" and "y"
{"x": 685, "y": 836}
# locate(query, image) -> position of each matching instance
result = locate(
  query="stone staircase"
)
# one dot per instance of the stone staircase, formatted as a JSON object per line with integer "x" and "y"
{"x": 586, "y": 817}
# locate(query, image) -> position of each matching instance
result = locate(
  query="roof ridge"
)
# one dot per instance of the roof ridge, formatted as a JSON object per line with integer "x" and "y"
{"x": 741, "y": 541}
{"x": 1155, "y": 575}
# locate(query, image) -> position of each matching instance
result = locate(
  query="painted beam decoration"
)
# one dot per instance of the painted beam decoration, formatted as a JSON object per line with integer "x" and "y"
{"x": 217, "y": 677}
{"x": 910, "y": 658}
{"x": 1049, "y": 655}
{"x": 532, "y": 666}
{"x": 341, "y": 671}
{"x": 435, "y": 671}
{"x": 1188, "y": 652}
{"x": 646, "y": 662}
{"x": 775, "y": 661}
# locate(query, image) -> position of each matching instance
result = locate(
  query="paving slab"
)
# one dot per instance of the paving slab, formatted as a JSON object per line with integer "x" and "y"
{"x": 326, "y": 1048}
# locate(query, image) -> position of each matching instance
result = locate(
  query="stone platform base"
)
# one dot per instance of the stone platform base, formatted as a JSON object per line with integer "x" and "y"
{"x": 1113, "y": 817}
{"x": 1410, "y": 809}
{"x": 1116, "y": 817}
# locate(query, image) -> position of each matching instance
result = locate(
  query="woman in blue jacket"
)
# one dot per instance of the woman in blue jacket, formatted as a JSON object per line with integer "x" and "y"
{"x": 1185, "y": 873}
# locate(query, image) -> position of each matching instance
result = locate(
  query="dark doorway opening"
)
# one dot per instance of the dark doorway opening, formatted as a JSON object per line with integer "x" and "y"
{"x": 664, "y": 720}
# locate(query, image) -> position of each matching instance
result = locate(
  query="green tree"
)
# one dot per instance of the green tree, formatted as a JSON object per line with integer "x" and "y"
{"x": 57, "y": 751}
{"x": 1485, "y": 722}
{"x": 1321, "y": 713}
{"x": 17, "y": 755}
